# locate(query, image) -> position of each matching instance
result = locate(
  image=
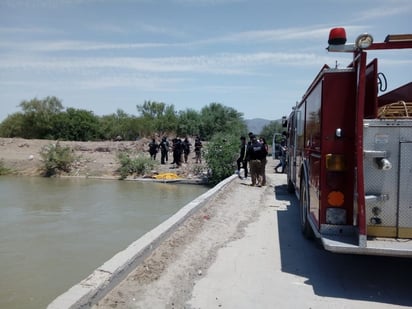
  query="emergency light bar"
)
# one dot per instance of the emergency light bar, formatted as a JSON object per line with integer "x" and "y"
{"x": 337, "y": 42}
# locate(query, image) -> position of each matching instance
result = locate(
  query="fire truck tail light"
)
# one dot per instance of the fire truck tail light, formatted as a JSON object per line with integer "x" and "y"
{"x": 336, "y": 198}
{"x": 336, "y": 216}
{"x": 335, "y": 162}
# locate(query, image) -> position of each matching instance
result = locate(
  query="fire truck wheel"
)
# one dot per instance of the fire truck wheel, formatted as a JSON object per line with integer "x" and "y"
{"x": 304, "y": 210}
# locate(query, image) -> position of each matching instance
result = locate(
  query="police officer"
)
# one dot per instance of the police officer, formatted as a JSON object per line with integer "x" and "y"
{"x": 255, "y": 153}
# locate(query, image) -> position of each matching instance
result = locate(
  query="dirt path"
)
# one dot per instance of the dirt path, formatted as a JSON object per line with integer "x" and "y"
{"x": 167, "y": 277}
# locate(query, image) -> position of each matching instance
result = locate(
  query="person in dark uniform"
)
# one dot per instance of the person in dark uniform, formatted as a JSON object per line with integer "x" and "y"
{"x": 164, "y": 150}
{"x": 241, "y": 161}
{"x": 264, "y": 161}
{"x": 153, "y": 148}
{"x": 198, "y": 150}
{"x": 186, "y": 149}
{"x": 256, "y": 153}
{"x": 177, "y": 151}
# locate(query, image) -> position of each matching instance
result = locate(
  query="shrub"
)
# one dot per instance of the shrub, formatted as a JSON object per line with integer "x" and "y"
{"x": 139, "y": 165}
{"x": 197, "y": 169}
{"x": 56, "y": 159}
{"x": 220, "y": 155}
{"x": 3, "y": 169}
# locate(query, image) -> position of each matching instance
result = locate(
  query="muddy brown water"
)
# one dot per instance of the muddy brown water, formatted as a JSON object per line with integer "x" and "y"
{"x": 55, "y": 232}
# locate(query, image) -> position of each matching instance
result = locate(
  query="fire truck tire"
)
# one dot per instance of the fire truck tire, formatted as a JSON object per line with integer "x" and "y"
{"x": 304, "y": 203}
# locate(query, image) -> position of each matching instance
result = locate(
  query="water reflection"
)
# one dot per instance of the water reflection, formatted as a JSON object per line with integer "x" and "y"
{"x": 55, "y": 232}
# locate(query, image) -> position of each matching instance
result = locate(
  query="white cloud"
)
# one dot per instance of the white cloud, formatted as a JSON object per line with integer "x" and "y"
{"x": 258, "y": 36}
{"x": 229, "y": 63}
{"x": 386, "y": 8}
{"x": 207, "y": 2}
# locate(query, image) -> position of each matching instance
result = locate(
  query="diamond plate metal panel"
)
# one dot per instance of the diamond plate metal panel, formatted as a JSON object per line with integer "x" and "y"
{"x": 405, "y": 189}
{"x": 384, "y": 215}
{"x": 381, "y": 137}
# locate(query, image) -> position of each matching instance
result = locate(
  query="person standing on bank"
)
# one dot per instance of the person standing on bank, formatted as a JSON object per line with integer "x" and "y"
{"x": 263, "y": 161}
{"x": 256, "y": 152}
{"x": 186, "y": 149}
{"x": 177, "y": 151}
{"x": 198, "y": 150}
{"x": 153, "y": 148}
{"x": 241, "y": 161}
{"x": 164, "y": 150}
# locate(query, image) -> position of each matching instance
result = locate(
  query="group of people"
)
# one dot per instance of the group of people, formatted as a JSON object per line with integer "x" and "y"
{"x": 180, "y": 150}
{"x": 254, "y": 152}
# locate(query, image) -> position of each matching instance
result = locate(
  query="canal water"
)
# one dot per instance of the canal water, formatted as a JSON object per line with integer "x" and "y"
{"x": 55, "y": 232}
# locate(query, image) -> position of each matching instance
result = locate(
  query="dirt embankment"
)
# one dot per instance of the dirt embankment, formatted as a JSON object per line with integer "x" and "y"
{"x": 93, "y": 159}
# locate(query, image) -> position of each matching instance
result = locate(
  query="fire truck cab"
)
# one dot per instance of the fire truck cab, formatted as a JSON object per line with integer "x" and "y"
{"x": 350, "y": 154}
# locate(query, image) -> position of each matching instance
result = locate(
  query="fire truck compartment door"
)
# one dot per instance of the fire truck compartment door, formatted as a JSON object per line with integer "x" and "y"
{"x": 388, "y": 193}
{"x": 405, "y": 192}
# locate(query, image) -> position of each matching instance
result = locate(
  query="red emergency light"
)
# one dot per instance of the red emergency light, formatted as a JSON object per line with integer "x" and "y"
{"x": 337, "y": 41}
{"x": 337, "y": 36}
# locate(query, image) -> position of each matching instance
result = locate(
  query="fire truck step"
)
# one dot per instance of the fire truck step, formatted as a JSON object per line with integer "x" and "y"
{"x": 381, "y": 246}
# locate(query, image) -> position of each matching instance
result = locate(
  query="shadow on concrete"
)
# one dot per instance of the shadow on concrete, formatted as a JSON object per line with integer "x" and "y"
{"x": 357, "y": 277}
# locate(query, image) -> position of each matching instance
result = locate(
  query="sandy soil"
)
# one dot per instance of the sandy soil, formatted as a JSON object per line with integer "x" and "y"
{"x": 167, "y": 277}
{"x": 93, "y": 159}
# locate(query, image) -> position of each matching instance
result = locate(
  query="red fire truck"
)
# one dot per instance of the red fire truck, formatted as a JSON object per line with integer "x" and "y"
{"x": 350, "y": 154}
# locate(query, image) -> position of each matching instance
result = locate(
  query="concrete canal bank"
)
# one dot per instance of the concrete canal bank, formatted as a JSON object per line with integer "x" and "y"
{"x": 169, "y": 276}
{"x": 166, "y": 279}
{"x": 107, "y": 276}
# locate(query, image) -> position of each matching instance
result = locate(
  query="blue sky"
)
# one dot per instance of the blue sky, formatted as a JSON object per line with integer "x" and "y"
{"x": 256, "y": 56}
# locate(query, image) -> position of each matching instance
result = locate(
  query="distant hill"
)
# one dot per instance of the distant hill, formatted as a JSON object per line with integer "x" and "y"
{"x": 256, "y": 125}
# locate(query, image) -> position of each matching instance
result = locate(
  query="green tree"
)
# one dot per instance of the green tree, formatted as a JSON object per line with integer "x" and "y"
{"x": 219, "y": 118}
{"x": 167, "y": 122}
{"x": 121, "y": 124}
{"x": 271, "y": 128}
{"x": 76, "y": 125}
{"x": 39, "y": 116}
{"x": 13, "y": 126}
{"x": 188, "y": 123}
{"x": 151, "y": 109}
{"x": 160, "y": 118}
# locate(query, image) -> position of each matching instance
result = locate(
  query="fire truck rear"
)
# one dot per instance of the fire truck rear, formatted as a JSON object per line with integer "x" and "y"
{"x": 350, "y": 154}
